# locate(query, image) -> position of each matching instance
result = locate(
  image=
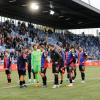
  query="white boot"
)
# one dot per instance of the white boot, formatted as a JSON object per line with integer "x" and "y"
{"x": 83, "y": 82}
{"x": 73, "y": 81}
{"x": 70, "y": 85}
{"x": 34, "y": 80}
{"x": 29, "y": 80}
{"x": 54, "y": 86}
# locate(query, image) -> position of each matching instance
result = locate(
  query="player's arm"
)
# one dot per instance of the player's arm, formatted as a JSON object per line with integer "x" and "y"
{"x": 58, "y": 56}
{"x": 90, "y": 57}
{"x": 32, "y": 60}
{"x": 87, "y": 56}
{"x": 18, "y": 62}
{"x": 10, "y": 62}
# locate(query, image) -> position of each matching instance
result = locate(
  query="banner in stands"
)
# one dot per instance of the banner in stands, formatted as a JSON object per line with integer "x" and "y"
{"x": 14, "y": 66}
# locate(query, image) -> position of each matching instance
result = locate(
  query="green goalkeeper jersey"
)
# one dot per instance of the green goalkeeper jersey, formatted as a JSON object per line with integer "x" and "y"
{"x": 36, "y": 58}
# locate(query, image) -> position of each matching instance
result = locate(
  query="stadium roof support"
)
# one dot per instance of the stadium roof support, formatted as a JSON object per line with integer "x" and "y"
{"x": 69, "y": 14}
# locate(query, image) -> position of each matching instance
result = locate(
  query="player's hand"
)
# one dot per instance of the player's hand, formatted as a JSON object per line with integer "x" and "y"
{"x": 56, "y": 62}
{"x": 83, "y": 68}
{"x": 63, "y": 71}
{"x": 6, "y": 68}
{"x": 57, "y": 68}
{"x": 70, "y": 68}
{"x": 62, "y": 68}
{"x": 42, "y": 69}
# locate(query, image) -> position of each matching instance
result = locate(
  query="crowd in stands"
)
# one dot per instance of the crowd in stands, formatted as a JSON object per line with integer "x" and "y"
{"x": 90, "y": 44}
{"x": 16, "y": 37}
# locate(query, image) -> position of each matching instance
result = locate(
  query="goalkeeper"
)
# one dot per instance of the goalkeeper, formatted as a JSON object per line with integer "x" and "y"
{"x": 36, "y": 61}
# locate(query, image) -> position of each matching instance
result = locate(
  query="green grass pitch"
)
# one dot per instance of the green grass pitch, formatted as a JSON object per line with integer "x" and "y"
{"x": 88, "y": 91}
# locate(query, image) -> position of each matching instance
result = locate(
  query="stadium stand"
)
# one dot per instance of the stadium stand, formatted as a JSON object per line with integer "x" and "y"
{"x": 16, "y": 37}
{"x": 69, "y": 14}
